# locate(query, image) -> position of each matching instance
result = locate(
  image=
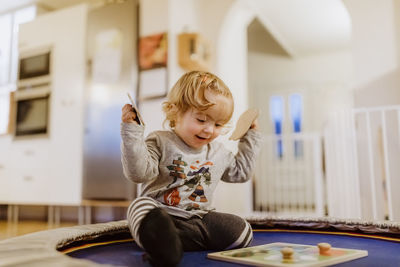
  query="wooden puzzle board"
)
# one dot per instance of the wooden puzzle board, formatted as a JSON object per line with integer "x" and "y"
{"x": 304, "y": 255}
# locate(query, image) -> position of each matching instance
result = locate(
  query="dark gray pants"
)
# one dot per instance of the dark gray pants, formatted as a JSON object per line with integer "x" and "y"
{"x": 215, "y": 231}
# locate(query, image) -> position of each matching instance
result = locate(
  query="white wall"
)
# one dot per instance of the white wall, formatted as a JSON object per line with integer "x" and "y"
{"x": 213, "y": 15}
{"x": 322, "y": 79}
{"x": 375, "y": 48}
{"x": 153, "y": 16}
{"x": 373, "y": 39}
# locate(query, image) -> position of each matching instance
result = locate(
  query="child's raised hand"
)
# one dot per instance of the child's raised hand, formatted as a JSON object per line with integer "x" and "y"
{"x": 248, "y": 120}
{"x": 254, "y": 125}
{"x": 128, "y": 114}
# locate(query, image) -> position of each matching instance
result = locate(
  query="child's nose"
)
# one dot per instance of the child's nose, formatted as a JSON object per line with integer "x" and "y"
{"x": 208, "y": 128}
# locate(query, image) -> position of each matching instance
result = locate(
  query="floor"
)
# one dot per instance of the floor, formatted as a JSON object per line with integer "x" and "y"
{"x": 8, "y": 230}
{"x": 95, "y": 211}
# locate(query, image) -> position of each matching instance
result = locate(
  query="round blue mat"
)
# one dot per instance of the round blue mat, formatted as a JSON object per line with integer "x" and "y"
{"x": 380, "y": 252}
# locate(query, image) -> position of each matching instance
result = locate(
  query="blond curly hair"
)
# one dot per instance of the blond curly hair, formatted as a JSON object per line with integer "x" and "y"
{"x": 189, "y": 92}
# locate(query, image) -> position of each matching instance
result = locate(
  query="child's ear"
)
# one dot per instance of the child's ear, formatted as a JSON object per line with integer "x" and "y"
{"x": 174, "y": 112}
{"x": 173, "y": 108}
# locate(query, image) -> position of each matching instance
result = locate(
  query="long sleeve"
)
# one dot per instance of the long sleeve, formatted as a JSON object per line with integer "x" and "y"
{"x": 242, "y": 164}
{"x": 140, "y": 157}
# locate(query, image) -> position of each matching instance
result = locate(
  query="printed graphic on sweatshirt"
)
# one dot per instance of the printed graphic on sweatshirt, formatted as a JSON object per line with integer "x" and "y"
{"x": 201, "y": 174}
{"x": 171, "y": 197}
{"x": 195, "y": 180}
{"x": 177, "y": 169}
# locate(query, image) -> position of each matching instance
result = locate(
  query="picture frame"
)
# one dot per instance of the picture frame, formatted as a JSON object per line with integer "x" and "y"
{"x": 153, "y": 71}
{"x": 153, "y": 51}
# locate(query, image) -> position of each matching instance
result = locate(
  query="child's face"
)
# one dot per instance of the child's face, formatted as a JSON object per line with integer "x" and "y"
{"x": 198, "y": 128}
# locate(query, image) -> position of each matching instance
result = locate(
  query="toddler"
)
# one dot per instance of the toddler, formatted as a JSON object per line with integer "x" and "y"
{"x": 179, "y": 170}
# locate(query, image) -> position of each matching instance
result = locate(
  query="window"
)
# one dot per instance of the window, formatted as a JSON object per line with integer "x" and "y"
{"x": 296, "y": 114}
{"x": 296, "y": 111}
{"x": 9, "y": 27}
{"x": 277, "y": 105}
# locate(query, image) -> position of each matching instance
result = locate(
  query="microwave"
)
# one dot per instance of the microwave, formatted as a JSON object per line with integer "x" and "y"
{"x": 34, "y": 68}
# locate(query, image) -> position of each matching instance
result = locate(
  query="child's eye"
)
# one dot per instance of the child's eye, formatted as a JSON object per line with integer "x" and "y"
{"x": 201, "y": 120}
{"x": 218, "y": 125}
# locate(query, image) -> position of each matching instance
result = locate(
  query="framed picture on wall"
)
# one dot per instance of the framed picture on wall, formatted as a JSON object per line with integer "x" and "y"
{"x": 153, "y": 51}
{"x": 153, "y": 74}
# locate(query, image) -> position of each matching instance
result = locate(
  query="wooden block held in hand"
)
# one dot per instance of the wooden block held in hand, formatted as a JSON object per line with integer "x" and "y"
{"x": 243, "y": 124}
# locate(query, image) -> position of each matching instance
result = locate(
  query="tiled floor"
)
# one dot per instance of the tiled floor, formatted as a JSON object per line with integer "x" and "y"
{"x": 25, "y": 227}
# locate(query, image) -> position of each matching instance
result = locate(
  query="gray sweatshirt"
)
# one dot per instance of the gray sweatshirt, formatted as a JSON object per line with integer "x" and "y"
{"x": 180, "y": 178}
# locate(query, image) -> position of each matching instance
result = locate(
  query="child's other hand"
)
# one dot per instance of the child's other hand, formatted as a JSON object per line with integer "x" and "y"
{"x": 254, "y": 125}
{"x": 128, "y": 114}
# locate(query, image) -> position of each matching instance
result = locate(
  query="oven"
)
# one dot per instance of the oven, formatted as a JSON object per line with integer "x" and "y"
{"x": 32, "y": 112}
{"x": 34, "y": 68}
{"x": 33, "y": 94}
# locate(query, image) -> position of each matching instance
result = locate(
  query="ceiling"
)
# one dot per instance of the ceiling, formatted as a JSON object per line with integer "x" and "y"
{"x": 260, "y": 40}
{"x": 300, "y": 27}
{"x": 304, "y": 27}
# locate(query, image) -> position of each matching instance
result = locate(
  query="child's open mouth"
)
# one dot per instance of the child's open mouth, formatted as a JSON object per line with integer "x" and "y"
{"x": 201, "y": 138}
